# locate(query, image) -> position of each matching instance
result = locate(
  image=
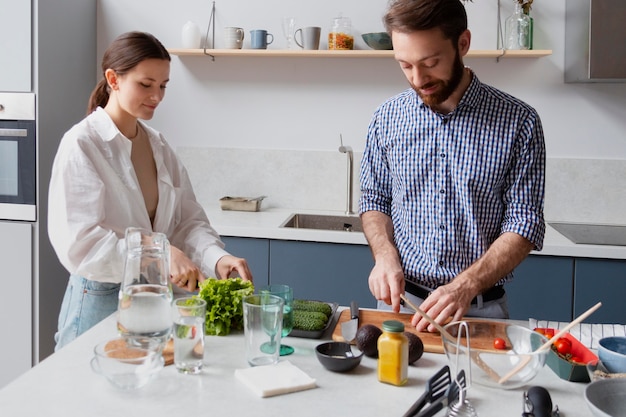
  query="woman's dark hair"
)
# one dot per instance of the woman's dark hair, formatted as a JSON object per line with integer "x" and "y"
{"x": 407, "y": 16}
{"x": 125, "y": 53}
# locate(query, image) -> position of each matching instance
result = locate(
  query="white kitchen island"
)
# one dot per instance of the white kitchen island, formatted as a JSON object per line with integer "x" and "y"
{"x": 64, "y": 385}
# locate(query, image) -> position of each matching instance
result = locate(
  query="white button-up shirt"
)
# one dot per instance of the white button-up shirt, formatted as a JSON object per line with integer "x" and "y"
{"x": 94, "y": 196}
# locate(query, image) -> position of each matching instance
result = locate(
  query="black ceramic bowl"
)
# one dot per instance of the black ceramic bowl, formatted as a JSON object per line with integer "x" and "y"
{"x": 338, "y": 356}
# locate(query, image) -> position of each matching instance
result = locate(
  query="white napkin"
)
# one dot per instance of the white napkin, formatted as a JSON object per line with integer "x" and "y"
{"x": 588, "y": 334}
{"x": 270, "y": 380}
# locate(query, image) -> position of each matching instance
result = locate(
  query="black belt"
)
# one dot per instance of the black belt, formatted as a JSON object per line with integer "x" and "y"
{"x": 493, "y": 293}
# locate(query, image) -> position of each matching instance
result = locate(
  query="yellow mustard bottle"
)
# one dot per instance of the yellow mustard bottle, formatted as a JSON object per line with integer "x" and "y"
{"x": 393, "y": 354}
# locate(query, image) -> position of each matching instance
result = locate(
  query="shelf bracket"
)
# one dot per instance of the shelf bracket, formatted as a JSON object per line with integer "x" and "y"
{"x": 206, "y": 38}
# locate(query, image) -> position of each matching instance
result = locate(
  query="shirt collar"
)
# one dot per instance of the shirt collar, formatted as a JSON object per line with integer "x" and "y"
{"x": 103, "y": 124}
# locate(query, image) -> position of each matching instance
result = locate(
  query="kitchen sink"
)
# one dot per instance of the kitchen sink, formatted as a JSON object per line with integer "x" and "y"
{"x": 323, "y": 222}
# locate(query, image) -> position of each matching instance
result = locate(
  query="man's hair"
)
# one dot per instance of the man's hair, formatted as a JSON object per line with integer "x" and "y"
{"x": 408, "y": 16}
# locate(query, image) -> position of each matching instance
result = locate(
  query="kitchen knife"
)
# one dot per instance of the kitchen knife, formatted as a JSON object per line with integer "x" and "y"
{"x": 349, "y": 328}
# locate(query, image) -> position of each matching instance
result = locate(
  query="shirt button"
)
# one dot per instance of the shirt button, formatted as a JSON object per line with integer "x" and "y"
{"x": 442, "y": 227}
{"x": 442, "y": 191}
{"x": 443, "y": 155}
{"x": 440, "y": 263}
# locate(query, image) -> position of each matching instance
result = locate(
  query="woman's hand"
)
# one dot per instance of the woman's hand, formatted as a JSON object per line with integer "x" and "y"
{"x": 183, "y": 272}
{"x": 231, "y": 266}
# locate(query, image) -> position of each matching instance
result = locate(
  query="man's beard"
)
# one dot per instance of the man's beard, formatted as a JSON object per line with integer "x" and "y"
{"x": 447, "y": 87}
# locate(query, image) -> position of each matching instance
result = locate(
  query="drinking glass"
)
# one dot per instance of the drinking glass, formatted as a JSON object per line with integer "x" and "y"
{"x": 289, "y": 25}
{"x": 262, "y": 321}
{"x": 144, "y": 315}
{"x": 189, "y": 314}
{"x": 286, "y": 293}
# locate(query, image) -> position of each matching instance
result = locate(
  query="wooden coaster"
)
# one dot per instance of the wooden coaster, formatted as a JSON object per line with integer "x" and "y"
{"x": 122, "y": 351}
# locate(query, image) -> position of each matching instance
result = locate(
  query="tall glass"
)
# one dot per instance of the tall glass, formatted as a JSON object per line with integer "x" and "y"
{"x": 189, "y": 314}
{"x": 289, "y": 26}
{"x": 286, "y": 293}
{"x": 262, "y": 321}
{"x": 144, "y": 315}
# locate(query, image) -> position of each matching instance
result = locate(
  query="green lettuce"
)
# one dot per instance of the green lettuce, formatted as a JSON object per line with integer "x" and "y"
{"x": 224, "y": 299}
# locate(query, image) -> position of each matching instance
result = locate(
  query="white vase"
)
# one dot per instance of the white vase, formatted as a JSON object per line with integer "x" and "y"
{"x": 191, "y": 36}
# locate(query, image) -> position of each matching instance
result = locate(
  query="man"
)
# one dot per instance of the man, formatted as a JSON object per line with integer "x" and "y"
{"x": 452, "y": 176}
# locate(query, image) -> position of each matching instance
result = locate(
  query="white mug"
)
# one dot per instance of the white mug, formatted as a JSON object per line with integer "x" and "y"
{"x": 309, "y": 37}
{"x": 233, "y": 37}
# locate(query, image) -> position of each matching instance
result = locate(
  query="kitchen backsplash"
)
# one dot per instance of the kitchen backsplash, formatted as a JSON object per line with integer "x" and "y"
{"x": 577, "y": 190}
{"x": 315, "y": 180}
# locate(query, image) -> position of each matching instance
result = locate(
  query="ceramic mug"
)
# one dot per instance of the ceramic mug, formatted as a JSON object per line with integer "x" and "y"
{"x": 259, "y": 39}
{"x": 309, "y": 37}
{"x": 233, "y": 37}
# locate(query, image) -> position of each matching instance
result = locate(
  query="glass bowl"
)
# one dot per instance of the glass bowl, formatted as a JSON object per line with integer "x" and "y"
{"x": 488, "y": 366}
{"x": 124, "y": 365}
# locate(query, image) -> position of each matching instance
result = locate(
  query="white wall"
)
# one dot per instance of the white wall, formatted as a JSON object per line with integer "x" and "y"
{"x": 303, "y": 104}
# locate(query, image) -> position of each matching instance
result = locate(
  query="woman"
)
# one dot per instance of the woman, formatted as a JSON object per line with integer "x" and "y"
{"x": 111, "y": 172}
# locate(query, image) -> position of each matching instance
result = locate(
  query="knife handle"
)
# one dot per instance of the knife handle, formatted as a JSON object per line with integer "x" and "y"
{"x": 354, "y": 310}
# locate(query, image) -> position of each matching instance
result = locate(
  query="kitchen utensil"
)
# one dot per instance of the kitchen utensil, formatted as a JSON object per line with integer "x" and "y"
{"x": 124, "y": 365}
{"x": 538, "y": 403}
{"x": 189, "y": 314}
{"x": 547, "y": 345}
{"x": 262, "y": 326}
{"x": 473, "y": 354}
{"x": 436, "y": 387}
{"x": 450, "y": 395}
{"x": 335, "y": 357}
{"x": 317, "y": 334}
{"x": 286, "y": 293}
{"x": 349, "y": 328}
{"x": 144, "y": 310}
{"x": 612, "y": 353}
{"x": 378, "y": 40}
{"x": 607, "y": 398}
{"x": 487, "y": 365}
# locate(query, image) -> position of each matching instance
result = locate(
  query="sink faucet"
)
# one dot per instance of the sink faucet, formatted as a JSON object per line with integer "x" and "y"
{"x": 348, "y": 151}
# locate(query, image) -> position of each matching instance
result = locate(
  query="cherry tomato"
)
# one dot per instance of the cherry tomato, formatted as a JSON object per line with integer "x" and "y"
{"x": 563, "y": 346}
{"x": 499, "y": 343}
{"x": 576, "y": 359}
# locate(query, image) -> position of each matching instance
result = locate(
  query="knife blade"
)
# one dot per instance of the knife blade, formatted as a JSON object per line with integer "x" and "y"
{"x": 349, "y": 327}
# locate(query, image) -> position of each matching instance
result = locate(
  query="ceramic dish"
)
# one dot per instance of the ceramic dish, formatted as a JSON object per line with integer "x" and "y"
{"x": 607, "y": 398}
{"x": 316, "y": 334}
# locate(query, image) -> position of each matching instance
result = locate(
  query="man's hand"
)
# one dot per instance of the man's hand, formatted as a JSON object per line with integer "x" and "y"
{"x": 386, "y": 282}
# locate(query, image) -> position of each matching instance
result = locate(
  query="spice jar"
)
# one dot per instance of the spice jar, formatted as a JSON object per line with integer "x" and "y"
{"x": 340, "y": 34}
{"x": 393, "y": 354}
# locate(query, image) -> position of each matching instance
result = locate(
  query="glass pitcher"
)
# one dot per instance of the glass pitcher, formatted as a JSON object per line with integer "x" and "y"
{"x": 144, "y": 308}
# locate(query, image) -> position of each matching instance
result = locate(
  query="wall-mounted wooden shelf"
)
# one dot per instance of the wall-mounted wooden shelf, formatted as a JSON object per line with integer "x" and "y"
{"x": 285, "y": 53}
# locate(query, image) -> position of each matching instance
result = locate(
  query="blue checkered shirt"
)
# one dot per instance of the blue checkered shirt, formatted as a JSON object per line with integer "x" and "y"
{"x": 452, "y": 184}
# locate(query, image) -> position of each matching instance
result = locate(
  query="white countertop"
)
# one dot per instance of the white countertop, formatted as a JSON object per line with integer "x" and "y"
{"x": 266, "y": 224}
{"x": 64, "y": 384}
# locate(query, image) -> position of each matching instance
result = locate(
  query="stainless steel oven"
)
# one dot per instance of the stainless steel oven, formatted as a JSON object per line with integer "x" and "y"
{"x": 18, "y": 157}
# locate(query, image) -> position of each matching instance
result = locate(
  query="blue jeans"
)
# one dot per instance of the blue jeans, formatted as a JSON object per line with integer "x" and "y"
{"x": 84, "y": 305}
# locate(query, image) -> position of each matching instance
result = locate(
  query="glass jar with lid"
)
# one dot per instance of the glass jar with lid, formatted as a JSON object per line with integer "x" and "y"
{"x": 393, "y": 354}
{"x": 340, "y": 34}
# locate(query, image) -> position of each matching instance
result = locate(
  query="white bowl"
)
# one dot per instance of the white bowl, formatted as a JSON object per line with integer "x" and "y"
{"x": 607, "y": 397}
{"x": 125, "y": 366}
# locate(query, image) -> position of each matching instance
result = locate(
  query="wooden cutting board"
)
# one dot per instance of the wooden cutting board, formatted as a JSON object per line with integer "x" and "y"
{"x": 432, "y": 341}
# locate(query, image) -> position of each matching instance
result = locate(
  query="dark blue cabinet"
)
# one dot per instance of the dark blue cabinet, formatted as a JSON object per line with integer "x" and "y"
{"x": 323, "y": 271}
{"x": 601, "y": 280}
{"x": 255, "y": 251}
{"x": 542, "y": 288}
